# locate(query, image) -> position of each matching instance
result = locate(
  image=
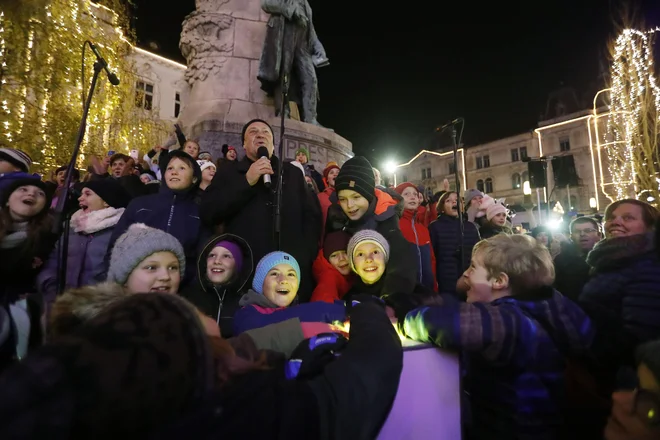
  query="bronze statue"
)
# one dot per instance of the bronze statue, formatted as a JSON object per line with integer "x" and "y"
{"x": 292, "y": 48}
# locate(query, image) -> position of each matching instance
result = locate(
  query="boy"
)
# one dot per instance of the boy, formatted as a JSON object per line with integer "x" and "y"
{"x": 514, "y": 332}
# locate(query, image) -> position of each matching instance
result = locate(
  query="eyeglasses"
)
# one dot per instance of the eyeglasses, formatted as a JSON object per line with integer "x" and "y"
{"x": 647, "y": 406}
{"x": 585, "y": 231}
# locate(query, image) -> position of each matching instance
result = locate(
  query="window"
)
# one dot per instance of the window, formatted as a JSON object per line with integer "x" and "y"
{"x": 423, "y": 173}
{"x": 144, "y": 95}
{"x": 177, "y": 104}
{"x": 564, "y": 144}
{"x": 515, "y": 181}
{"x": 523, "y": 153}
{"x": 486, "y": 161}
{"x": 480, "y": 185}
{"x": 480, "y": 163}
{"x": 489, "y": 186}
{"x": 428, "y": 173}
{"x": 452, "y": 167}
{"x": 514, "y": 155}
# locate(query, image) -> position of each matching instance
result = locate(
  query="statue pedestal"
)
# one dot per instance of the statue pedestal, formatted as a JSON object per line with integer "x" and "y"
{"x": 222, "y": 41}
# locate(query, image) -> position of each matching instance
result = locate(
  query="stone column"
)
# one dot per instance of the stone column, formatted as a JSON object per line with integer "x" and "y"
{"x": 222, "y": 42}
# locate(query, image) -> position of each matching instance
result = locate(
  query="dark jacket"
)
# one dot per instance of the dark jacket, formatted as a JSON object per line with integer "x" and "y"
{"x": 217, "y": 301}
{"x": 402, "y": 268}
{"x": 514, "y": 350}
{"x": 571, "y": 272}
{"x": 445, "y": 236}
{"x": 489, "y": 230}
{"x": 623, "y": 297}
{"x": 174, "y": 212}
{"x": 247, "y": 211}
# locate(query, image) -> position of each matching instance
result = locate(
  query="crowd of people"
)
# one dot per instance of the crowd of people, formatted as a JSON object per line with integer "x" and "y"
{"x": 174, "y": 307}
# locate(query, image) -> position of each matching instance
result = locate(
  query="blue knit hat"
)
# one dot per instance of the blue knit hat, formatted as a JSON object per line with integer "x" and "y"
{"x": 267, "y": 263}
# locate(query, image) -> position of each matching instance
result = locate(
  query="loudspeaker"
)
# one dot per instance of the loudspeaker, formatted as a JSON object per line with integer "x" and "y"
{"x": 536, "y": 175}
{"x": 563, "y": 168}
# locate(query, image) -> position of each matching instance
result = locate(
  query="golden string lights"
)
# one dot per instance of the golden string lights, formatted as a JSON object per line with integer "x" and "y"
{"x": 40, "y": 96}
{"x": 633, "y": 122}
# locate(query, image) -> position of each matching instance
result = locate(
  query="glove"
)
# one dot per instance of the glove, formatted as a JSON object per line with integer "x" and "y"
{"x": 358, "y": 298}
{"x": 403, "y": 303}
{"x": 313, "y": 354}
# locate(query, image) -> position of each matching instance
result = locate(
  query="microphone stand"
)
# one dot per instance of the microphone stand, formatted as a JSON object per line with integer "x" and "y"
{"x": 458, "y": 196}
{"x": 280, "y": 171}
{"x": 62, "y": 218}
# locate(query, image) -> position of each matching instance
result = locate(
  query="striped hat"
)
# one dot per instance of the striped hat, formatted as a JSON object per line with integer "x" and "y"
{"x": 357, "y": 174}
{"x": 367, "y": 236}
{"x": 17, "y": 158}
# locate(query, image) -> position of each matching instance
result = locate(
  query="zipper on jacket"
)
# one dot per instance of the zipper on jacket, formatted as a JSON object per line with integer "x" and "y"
{"x": 220, "y": 303}
{"x": 169, "y": 219}
{"x": 419, "y": 253}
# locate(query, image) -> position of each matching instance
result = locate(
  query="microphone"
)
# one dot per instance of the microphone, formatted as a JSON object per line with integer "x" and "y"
{"x": 448, "y": 124}
{"x": 111, "y": 76}
{"x": 263, "y": 152}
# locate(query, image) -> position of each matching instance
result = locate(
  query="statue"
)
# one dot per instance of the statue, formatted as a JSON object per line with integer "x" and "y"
{"x": 292, "y": 48}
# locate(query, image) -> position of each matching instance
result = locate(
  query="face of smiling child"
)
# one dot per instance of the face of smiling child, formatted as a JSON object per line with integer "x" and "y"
{"x": 369, "y": 262}
{"x": 281, "y": 285}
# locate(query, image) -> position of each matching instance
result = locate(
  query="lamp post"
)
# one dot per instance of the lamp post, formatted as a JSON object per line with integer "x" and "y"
{"x": 390, "y": 168}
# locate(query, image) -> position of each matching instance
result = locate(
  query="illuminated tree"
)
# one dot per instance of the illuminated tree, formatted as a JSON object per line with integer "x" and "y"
{"x": 634, "y": 120}
{"x": 41, "y": 88}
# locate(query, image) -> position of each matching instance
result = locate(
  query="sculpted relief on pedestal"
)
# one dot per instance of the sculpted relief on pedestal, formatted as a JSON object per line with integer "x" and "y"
{"x": 206, "y": 44}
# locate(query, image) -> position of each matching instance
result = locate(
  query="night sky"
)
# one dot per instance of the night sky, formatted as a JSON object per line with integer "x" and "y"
{"x": 397, "y": 72}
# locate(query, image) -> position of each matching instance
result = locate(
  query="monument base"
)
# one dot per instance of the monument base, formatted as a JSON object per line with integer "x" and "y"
{"x": 324, "y": 145}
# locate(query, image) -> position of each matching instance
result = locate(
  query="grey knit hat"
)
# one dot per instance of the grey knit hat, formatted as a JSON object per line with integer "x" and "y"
{"x": 371, "y": 236}
{"x": 136, "y": 244}
{"x": 471, "y": 194}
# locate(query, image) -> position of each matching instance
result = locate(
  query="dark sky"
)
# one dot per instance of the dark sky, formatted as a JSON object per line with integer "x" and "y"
{"x": 399, "y": 71}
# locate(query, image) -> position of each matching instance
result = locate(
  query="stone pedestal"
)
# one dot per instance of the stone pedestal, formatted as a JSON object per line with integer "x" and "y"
{"x": 222, "y": 41}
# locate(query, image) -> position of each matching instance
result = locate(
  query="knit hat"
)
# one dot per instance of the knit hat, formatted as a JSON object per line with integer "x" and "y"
{"x": 111, "y": 191}
{"x": 245, "y": 127}
{"x": 235, "y": 251}
{"x": 471, "y": 194}
{"x": 204, "y": 164}
{"x": 149, "y": 176}
{"x": 136, "y": 244}
{"x": 329, "y": 167}
{"x": 24, "y": 181}
{"x": 357, "y": 175}
{"x": 402, "y": 187}
{"x": 267, "y": 263}
{"x": 302, "y": 150}
{"x": 367, "y": 236}
{"x": 335, "y": 241}
{"x": 17, "y": 158}
{"x": 205, "y": 155}
{"x": 495, "y": 209}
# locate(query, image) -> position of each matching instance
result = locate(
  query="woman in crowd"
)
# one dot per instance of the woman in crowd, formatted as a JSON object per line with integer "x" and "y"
{"x": 102, "y": 204}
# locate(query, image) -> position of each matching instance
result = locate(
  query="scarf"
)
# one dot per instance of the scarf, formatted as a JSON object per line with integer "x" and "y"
{"x": 16, "y": 237}
{"x": 613, "y": 253}
{"x": 94, "y": 221}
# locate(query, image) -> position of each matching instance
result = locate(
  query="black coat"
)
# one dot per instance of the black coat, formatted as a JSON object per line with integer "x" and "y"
{"x": 571, "y": 272}
{"x": 248, "y": 212}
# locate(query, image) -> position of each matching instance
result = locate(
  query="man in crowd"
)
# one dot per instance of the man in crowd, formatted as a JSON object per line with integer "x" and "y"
{"x": 240, "y": 201}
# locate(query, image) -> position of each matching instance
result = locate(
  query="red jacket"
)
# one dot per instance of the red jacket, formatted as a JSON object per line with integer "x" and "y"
{"x": 415, "y": 232}
{"x": 330, "y": 284}
{"x": 324, "y": 201}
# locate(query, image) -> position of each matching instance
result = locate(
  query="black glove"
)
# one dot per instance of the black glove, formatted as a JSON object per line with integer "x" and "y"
{"x": 403, "y": 303}
{"x": 355, "y": 299}
{"x": 313, "y": 354}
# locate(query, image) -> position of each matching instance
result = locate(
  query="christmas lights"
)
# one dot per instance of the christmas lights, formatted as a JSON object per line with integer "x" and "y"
{"x": 40, "y": 96}
{"x": 631, "y": 140}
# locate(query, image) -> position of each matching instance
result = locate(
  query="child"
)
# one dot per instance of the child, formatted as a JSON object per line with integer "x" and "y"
{"x": 362, "y": 206}
{"x": 274, "y": 287}
{"x": 514, "y": 332}
{"x": 147, "y": 260}
{"x": 14, "y": 165}
{"x": 224, "y": 267}
{"x": 494, "y": 218}
{"x": 332, "y": 269}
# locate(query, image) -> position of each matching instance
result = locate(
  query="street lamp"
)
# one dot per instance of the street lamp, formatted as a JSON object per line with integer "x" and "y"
{"x": 390, "y": 168}
{"x": 527, "y": 190}
{"x": 592, "y": 203}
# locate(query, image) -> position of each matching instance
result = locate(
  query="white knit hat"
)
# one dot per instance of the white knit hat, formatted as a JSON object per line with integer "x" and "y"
{"x": 17, "y": 158}
{"x": 367, "y": 236}
{"x": 204, "y": 164}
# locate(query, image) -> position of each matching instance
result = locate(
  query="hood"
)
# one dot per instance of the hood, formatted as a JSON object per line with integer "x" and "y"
{"x": 567, "y": 325}
{"x": 197, "y": 173}
{"x": 615, "y": 253}
{"x": 257, "y": 299}
{"x": 248, "y": 263}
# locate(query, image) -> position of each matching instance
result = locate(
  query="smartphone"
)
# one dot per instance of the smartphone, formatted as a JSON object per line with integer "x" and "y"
{"x": 134, "y": 154}
{"x": 111, "y": 153}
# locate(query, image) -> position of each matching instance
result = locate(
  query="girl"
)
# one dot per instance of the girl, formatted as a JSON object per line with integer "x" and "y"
{"x": 332, "y": 269}
{"x": 496, "y": 222}
{"x": 446, "y": 239}
{"x": 172, "y": 210}
{"x": 145, "y": 260}
{"x": 102, "y": 204}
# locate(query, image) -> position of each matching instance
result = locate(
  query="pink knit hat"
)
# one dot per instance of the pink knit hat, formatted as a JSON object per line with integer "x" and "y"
{"x": 495, "y": 209}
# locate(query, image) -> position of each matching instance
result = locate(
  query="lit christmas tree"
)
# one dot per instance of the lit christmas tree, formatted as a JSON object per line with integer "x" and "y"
{"x": 42, "y": 91}
{"x": 633, "y": 125}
